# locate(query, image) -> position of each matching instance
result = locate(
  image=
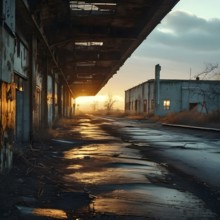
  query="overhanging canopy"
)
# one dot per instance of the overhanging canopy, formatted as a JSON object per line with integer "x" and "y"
{"x": 92, "y": 39}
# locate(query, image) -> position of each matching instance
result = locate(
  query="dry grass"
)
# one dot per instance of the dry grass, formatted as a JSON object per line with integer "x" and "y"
{"x": 136, "y": 117}
{"x": 193, "y": 118}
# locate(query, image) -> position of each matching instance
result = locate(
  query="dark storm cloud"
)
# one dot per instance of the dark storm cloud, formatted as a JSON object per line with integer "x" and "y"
{"x": 187, "y": 31}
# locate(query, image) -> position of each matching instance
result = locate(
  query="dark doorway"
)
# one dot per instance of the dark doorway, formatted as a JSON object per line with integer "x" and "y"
{"x": 193, "y": 106}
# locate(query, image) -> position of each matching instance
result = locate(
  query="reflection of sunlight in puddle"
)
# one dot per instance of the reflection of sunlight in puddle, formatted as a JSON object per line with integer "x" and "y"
{"x": 91, "y": 177}
{"x": 69, "y": 155}
{"x": 90, "y": 147}
{"x": 121, "y": 168}
{"x": 93, "y": 132}
{"x": 110, "y": 150}
{"x": 53, "y": 213}
{"x": 74, "y": 167}
{"x": 94, "y": 135}
{"x": 50, "y": 213}
{"x": 75, "y": 153}
{"x": 113, "y": 176}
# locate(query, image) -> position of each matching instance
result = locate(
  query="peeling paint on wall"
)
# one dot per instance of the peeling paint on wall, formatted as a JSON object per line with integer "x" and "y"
{"x": 7, "y": 114}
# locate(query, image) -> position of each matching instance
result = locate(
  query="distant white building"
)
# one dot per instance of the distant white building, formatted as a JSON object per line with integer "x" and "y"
{"x": 161, "y": 96}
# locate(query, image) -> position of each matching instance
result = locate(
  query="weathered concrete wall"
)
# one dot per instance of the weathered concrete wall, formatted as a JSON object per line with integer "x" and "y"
{"x": 183, "y": 95}
{"x": 7, "y": 132}
{"x": 7, "y": 87}
{"x": 50, "y": 100}
{"x": 7, "y": 55}
{"x": 32, "y": 96}
{"x": 205, "y": 94}
{"x": 8, "y": 13}
{"x": 140, "y": 99}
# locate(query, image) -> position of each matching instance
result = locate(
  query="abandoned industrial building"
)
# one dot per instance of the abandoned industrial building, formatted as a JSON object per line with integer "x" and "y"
{"x": 162, "y": 96}
{"x": 56, "y": 50}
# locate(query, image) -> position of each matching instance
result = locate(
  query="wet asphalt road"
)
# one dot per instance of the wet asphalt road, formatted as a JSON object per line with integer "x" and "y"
{"x": 136, "y": 170}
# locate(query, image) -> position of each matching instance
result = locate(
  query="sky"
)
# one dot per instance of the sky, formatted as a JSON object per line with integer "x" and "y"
{"x": 185, "y": 41}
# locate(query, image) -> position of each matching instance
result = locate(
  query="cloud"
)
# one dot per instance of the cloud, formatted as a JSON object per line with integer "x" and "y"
{"x": 187, "y": 31}
{"x": 182, "y": 44}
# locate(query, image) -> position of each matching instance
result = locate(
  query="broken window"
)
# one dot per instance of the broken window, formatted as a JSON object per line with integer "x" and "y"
{"x": 166, "y": 104}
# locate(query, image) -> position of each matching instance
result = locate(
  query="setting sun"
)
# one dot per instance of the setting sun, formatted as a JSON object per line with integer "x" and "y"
{"x": 93, "y": 103}
{"x": 90, "y": 99}
{"x": 89, "y": 103}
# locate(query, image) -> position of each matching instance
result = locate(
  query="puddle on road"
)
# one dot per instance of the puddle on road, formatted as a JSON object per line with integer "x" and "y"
{"x": 74, "y": 167}
{"x": 66, "y": 205}
{"x": 94, "y": 136}
{"x": 42, "y": 213}
{"x": 108, "y": 176}
{"x": 111, "y": 164}
{"x": 91, "y": 133}
{"x": 117, "y": 170}
{"x": 103, "y": 150}
{"x": 151, "y": 201}
{"x": 145, "y": 168}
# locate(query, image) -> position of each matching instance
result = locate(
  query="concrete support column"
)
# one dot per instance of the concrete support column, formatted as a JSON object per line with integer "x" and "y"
{"x": 65, "y": 101}
{"x": 59, "y": 100}
{"x": 53, "y": 96}
{"x": 33, "y": 53}
{"x": 44, "y": 107}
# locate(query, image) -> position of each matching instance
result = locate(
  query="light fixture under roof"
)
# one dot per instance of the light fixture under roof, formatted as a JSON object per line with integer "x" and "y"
{"x": 95, "y": 6}
{"x": 89, "y": 43}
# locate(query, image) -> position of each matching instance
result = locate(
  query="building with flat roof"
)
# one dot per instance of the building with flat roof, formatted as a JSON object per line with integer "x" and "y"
{"x": 162, "y": 96}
